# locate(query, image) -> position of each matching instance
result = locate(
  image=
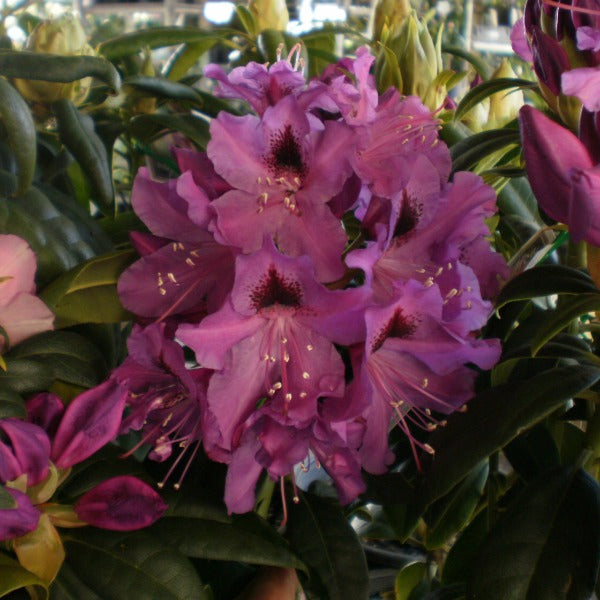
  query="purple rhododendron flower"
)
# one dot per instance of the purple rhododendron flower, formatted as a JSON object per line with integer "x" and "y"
{"x": 563, "y": 176}
{"x": 122, "y": 503}
{"x": 285, "y": 167}
{"x": 165, "y": 399}
{"x": 23, "y": 518}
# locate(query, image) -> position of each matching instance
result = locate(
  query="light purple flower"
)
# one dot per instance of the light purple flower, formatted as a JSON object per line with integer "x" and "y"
{"x": 584, "y": 84}
{"x": 122, "y": 503}
{"x": 285, "y": 167}
{"x": 274, "y": 339}
{"x": 519, "y": 41}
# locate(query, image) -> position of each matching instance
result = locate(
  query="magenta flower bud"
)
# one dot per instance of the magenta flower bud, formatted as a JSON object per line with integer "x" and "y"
{"x": 46, "y": 410}
{"x": 17, "y": 521}
{"x": 24, "y": 449}
{"x": 121, "y": 504}
{"x": 90, "y": 422}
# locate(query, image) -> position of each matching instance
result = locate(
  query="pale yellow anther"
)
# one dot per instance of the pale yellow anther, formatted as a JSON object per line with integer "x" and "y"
{"x": 162, "y": 291}
{"x": 288, "y": 397}
{"x": 425, "y": 382}
{"x": 190, "y": 262}
{"x": 171, "y": 276}
{"x": 428, "y": 282}
{"x": 305, "y": 375}
{"x": 277, "y": 385}
{"x": 284, "y": 340}
{"x": 286, "y": 357}
{"x": 428, "y": 449}
{"x": 180, "y": 246}
{"x": 303, "y": 394}
{"x": 310, "y": 347}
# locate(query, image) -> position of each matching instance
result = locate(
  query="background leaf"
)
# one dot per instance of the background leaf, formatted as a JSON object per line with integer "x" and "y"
{"x": 14, "y": 577}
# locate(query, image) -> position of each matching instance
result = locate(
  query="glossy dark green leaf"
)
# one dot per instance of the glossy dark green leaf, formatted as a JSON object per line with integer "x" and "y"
{"x": 545, "y": 280}
{"x": 25, "y": 376}
{"x": 388, "y": 488}
{"x": 156, "y": 37}
{"x": 20, "y": 133}
{"x": 71, "y": 357}
{"x": 456, "y": 591}
{"x": 493, "y": 418}
{"x": 77, "y": 133}
{"x": 14, "y": 577}
{"x": 546, "y": 545}
{"x": 53, "y": 67}
{"x": 68, "y": 586}
{"x": 467, "y": 153}
{"x": 88, "y": 293}
{"x": 532, "y": 453}
{"x": 163, "y": 88}
{"x": 11, "y": 404}
{"x": 320, "y": 534}
{"x": 246, "y": 538}
{"x": 461, "y": 557}
{"x": 450, "y": 514}
{"x": 117, "y": 565}
{"x": 568, "y": 310}
{"x": 486, "y": 89}
{"x": 516, "y": 201}
{"x": 149, "y": 127}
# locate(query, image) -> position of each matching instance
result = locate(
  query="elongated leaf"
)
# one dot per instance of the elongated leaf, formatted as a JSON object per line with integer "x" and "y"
{"x": 545, "y": 280}
{"x": 570, "y": 309}
{"x": 67, "y": 586}
{"x": 516, "y": 200}
{"x": 493, "y": 419}
{"x": 156, "y": 37}
{"x": 247, "y": 20}
{"x": 450, "y": 514}
{"x": 546, "y": 545}
{"x": 148, "y": 127}
{"x": 486, "y": 89}
{"x": 387, "y": 70}
{"x": 470, "y": 151}
{"x": 319, "y": 532}
{"x": 76, "y": 132}
{"x": 163, "y": 88}
{"x": 54, "y": 67}
{"x": 137, "y": 565}
{"x": 11, "y": 404}
{"x": 25, "y": 376}
{"x": 14, "y": 577}
{"x": 476, "y": 60}
{"x": 244, "y": 539}
{"x": 71, "y": 357}
{"x": 88, "y": 293}
{"x": 185, "y": 57}
{"x": 408, "y": 578}
{"x": 532, "y": 453}
{"x": 7, "y": 502}
{"x": 20, "y": 133}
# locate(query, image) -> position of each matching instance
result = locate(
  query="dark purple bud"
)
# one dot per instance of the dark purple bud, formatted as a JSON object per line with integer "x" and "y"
{"x": 45, "y": 410}
{"x": 24, "y": 449}
{"x": 121, "y": 504}
{"x": 550, "y": 60}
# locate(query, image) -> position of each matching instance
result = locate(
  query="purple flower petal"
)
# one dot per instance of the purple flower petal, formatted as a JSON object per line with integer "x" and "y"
{"x": 122, "y": 503}
{"x": 45, "y": 410}
{"x": 584, "y": 84}
{"x": 519, "y": 41}
{"x": 90, "y": 422}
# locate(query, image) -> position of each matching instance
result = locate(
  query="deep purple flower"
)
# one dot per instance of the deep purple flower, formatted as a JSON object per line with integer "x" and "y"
{"x": 285, "y": 167}
{"x": 273, "y": 339}
{"x": 23, "y": 518}
{"x": 122, "y": 503}
{"x": 165, "y": 399}
{"x": 563, "y": 176}
{"x": 189, "y": 273}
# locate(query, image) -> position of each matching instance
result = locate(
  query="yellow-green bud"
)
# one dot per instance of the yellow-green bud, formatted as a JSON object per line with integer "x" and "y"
{"x": 504, "y": 105}
{"x": 64, "y": 36}
{"x": 269, "y": 14}
{"x": 389, "y": 14}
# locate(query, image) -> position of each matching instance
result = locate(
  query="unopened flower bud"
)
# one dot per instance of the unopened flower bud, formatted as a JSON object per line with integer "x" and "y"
{"x": 389, "y": 14}
{"x": 269, "y": 14}
{"x": 64, "y": 36}
{"x": 504, "y": 105}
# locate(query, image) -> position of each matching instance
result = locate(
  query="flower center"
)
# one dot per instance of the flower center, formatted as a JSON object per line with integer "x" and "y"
{"x": 286, "y": 153}
{"x": 276, "y": 289}
{"x": 399, "y": 326}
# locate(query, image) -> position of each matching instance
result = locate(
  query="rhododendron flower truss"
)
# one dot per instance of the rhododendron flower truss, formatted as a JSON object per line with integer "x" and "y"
{"x": 413, "y": 365}
{"x": 165, "y": 399}
{"x": 184, "y": 271}
{"x": 285, "y": 167}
